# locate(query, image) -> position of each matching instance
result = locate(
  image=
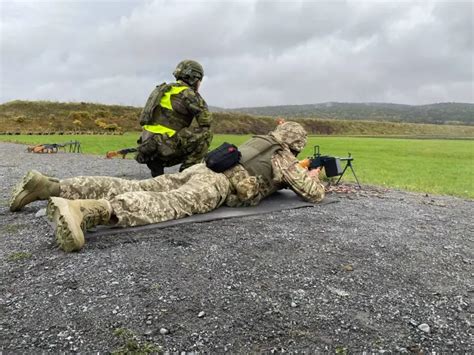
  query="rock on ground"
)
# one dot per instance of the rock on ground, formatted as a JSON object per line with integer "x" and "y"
{"x": 377, "y": 271}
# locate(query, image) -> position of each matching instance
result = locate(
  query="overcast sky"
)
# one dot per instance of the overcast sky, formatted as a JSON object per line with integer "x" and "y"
{"x": 254, "y": 53}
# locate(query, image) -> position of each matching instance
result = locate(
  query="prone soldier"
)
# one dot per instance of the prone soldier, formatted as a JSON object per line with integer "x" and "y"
{"x": 268, "y": 163}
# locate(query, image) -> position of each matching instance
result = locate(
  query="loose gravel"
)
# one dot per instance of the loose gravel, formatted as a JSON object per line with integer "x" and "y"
{"x": 380, "y": 270}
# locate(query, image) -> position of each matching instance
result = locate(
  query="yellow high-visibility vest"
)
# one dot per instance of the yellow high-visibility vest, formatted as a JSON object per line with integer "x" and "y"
{"x": 166, "y": 99}
{"x": 166, "y": 103}
{"x": 159, "y": 129}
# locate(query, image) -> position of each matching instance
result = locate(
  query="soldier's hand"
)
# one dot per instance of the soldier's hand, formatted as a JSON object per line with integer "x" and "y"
{"x": 314, "y": 172}
{"x": 304, "y": 163}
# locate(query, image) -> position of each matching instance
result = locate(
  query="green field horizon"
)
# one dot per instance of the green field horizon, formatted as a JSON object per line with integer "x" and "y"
{"x": 433, "y": 166}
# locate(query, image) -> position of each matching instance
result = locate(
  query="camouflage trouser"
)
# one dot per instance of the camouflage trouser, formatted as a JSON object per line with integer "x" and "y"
{"x": 187, "y": 147}
{"x": 138, "y": 202}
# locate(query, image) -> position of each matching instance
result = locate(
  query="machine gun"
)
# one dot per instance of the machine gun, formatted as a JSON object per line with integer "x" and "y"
{"x": 43, "y": 148}
{"x": 123, "y": 152}
{"x": 331, "y": 165}
{"x": 74, "y": 147}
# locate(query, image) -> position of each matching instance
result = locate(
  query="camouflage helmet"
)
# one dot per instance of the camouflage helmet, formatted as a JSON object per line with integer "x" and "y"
{"x": 189, "y": 71}
{"x": 291, "y": 134}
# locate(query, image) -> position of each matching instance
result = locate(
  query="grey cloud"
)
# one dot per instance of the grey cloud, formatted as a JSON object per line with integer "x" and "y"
{"x": 254, "y": 52}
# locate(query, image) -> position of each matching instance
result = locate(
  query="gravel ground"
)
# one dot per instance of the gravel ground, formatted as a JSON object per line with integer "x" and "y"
{"x": 378, "y": 270}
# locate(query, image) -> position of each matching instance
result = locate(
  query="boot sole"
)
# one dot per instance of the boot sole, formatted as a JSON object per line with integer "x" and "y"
{"x": 68, "y": 232}
{"x": 20, "y": 193}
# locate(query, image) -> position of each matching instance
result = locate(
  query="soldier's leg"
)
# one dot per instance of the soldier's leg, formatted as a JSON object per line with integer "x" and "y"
{"x": 154, "y": 150}
{"x": 96, "y": 187}
{"x": 198, "y": 190}
{"x": 156, "y": 168}
{"x": 72, "y": 218}
{"x": 32, "y": 187}
{"x": 106, "y": 187}
{"x": 198, "y": 153}
{"x": 35, "y": 186}
{"x": 203, "y": 191}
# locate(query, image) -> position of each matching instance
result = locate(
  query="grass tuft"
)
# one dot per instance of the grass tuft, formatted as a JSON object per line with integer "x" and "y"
{"x": 132, "y": 345}
{"x": 21, "y": 255}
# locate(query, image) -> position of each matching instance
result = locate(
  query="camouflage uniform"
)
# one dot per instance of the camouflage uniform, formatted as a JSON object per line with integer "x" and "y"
{"x": 170, "y": 196}
{"x": 248, "y": 190}
{"x": 267, "y": 164}
{"x": 185, "y": 113}
{"x": 198, "y": 189}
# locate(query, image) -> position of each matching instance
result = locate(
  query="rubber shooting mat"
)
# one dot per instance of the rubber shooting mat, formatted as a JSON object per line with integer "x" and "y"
{"x": 279, "y": 201}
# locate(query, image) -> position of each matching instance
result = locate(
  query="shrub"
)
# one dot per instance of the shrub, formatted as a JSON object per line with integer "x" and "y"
{"x": 77, "y": 123}
{"x": 112, "y": 127}
{"x": 100, "y": 123}
{"x": 20, "y": 119}
{"x": 102, "y": 114}
{"x": 79, "y": 115}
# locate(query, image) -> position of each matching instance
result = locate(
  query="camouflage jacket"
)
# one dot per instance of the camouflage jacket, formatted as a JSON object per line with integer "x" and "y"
{"x": 191, "y": 104}
{"x": 188, "y": 115}
{"x": 179, "y": 110}
{"x": 287, "y": 173}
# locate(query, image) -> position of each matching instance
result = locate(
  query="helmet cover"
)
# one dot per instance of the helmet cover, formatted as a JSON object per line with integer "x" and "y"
{"x": 189, "y": 71}
{"x": 291, "y": 134}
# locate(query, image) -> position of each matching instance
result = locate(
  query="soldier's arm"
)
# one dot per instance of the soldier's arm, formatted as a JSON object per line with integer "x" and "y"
{"x": 245, "y": 189}
{"x": 287, "y": 169}
{"x": 198, "y": 108}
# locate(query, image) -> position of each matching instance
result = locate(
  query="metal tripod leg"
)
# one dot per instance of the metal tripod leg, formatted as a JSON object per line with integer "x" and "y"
{"x": 340, "y": 177}
{"x": 353, "y": 172}
{"x": 348, "y": 165}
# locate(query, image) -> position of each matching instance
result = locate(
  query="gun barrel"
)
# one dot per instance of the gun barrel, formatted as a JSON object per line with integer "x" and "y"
{"x": 127, "y": 150}
{"x": 346, "y": 159}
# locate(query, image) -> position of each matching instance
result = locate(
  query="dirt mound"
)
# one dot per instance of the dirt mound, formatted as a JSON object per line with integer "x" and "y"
{"x": 378, "y": 270}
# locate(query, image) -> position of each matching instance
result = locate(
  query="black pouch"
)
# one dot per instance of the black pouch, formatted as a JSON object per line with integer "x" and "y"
{"x": 146, "y": 150}
{"x": 223, "y": 157}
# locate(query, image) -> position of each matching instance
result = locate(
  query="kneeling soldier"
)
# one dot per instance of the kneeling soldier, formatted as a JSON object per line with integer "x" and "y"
{"x": 169, "y": 135}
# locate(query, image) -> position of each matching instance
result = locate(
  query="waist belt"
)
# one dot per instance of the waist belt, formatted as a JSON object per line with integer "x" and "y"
{"x": 159, "y": 129}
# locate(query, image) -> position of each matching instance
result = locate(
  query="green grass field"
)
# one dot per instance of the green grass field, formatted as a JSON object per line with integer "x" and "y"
{"x": 443, "y": 167}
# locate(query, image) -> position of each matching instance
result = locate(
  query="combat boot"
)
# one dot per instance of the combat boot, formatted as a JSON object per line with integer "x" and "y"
{"x": 73, "y": 217}
{"x": 33, "y": 186}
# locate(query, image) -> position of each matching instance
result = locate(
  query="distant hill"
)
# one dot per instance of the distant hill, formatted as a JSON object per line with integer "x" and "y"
{"x": 440, "y": 113}
{"x": 44, "y": 117}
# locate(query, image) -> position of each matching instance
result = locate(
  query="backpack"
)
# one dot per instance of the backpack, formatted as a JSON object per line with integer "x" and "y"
{"x": 146, "y": 116}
